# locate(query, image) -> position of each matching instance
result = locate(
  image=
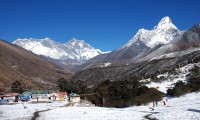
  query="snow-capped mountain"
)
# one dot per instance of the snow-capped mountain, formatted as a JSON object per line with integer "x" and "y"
{"x": 187, "y": 42}
{"x": 162, "y": 33}
{"x": 143, "y": 43}
{"x": 74, "y": 49}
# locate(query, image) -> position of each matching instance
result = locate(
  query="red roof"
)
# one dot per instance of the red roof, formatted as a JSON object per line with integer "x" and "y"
{"x": 61, "y": 93}
{"x": 10, "y": 95}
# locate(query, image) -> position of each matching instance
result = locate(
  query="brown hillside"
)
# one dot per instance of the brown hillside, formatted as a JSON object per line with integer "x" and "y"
{"x": 34, "y": 72}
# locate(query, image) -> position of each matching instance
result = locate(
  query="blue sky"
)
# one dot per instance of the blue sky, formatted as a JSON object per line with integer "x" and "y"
{"x": 104, "y": 24}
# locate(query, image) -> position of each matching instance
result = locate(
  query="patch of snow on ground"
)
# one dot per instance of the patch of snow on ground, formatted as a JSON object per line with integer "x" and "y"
{"x": 17, "y": 111}
{"x": 145, "y": 80}
{"x": 182, "y": 108}
{"x": 106, "y": 64}
{"x": 163, "y": 86}
{"x": 162, "y": 75}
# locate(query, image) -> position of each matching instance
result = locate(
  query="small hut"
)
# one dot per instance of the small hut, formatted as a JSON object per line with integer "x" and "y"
{"x": 9, "y": 97}
{"x": 75, "y": 98}
{"x": 61, "y": 96}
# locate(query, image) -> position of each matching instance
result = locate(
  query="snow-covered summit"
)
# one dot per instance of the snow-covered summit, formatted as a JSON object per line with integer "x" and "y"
{"x": 165, "y": 23}
{"x": 73, "y": 49}
{"x": 78, "y": 44}
{"x": 162, "y": 33}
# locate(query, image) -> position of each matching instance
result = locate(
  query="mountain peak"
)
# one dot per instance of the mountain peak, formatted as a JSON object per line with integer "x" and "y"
{"x": 78, "y": 44}
{"x": 165, "y": 20}
{"x": 74, "y": 40}
{"x": 47, "y": 39}
{"x": 163, "y": 33}
{"x": 165, "y": 23}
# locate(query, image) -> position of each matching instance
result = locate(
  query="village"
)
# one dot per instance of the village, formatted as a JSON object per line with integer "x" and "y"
{"x": 39, "y": 96}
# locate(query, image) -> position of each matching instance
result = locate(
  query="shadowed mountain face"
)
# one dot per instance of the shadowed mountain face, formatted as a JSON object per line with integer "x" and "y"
{"x": 17, "y": 63}
{"x": 117, "y": 56}
{"x": 191, "y": 38}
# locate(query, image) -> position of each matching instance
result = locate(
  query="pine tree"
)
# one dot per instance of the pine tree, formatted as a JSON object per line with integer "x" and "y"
{"x": 16, "y": 87}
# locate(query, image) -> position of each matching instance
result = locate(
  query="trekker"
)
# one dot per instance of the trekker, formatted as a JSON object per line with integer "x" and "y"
{"x": 164, "y": 103}
{"x": 153, "y": 103}
{"x": 25, "y": 105}
{"x": 156, "y": 103}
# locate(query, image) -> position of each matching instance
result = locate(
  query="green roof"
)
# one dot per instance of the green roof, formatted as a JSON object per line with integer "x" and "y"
{"x": 74, "y": 95}
{"x": 28, "y": 93}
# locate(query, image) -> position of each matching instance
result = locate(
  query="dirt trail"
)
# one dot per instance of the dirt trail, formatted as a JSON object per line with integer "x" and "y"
{"x": 36, "y": 114}
{"x": 149, "y": 118}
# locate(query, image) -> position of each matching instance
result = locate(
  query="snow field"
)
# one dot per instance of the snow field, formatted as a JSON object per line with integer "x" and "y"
{"x": 182, "y": 108}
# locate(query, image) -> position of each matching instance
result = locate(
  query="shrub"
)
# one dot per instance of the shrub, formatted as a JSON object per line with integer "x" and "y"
{"x": 195, "y": 87}
{"x": 195, "y": 70}
{"x": 123, "y": 94}
{"x": 194, "y": 83}
{"x": 17, "y": 87}
{"x": 142, "y": 90}
{"x": 180, "y": 89}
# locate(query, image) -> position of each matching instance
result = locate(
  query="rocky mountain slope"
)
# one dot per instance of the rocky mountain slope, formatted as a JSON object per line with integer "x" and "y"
{"x": 34, "y": 72}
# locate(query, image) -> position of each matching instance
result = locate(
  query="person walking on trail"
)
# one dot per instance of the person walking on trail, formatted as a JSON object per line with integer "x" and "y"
{"x": 164, "y": 103}
{"x": 153, "y": 103}
{"x": 156, "y": 103}
{"x": 37, "y": 99}
{"x": 25, "y": 104}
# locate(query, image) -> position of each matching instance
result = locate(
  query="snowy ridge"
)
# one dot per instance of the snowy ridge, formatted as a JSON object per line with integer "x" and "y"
{"x": 74, "y": 49}
{"x": 162, "y": 33}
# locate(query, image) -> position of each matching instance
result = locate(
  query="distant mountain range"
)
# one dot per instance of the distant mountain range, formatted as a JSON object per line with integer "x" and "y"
{"x": 77, "y": 55}
{"x": 75, "y": 49}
